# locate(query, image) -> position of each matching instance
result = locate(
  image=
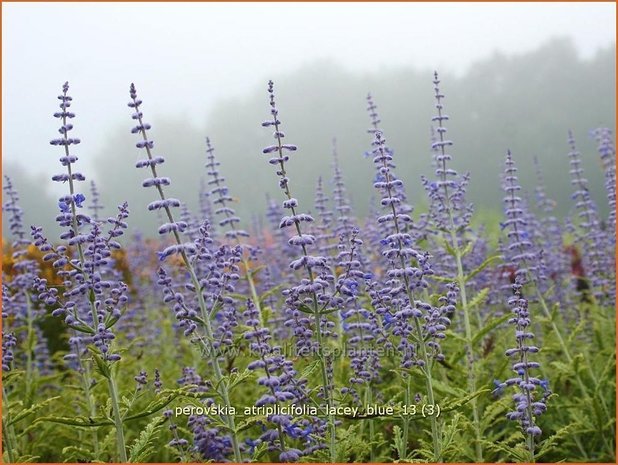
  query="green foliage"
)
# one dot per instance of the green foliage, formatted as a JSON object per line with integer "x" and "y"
{"x": 146, "y": 444}
{"x": 576, "y": 427}
{"x": 351, "y": 446}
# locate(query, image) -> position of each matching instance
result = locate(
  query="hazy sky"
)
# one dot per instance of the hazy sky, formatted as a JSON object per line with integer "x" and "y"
{"x": 184, "y": 56}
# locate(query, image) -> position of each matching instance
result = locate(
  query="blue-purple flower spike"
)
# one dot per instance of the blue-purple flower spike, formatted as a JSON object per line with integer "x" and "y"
{"x": 449, "y": 209}
{"x": 342, "y": 208}
{"x": 607, "y": 152}
{"x": 527, "y": 409}
{"x": 176, "y": 228}
{"x": 312, "y": 290}
{"x": 597, "y": 264}
{"x": 221, "y": 198}
{"x": 95, "y": 203}
{"x": 520, "y": 252}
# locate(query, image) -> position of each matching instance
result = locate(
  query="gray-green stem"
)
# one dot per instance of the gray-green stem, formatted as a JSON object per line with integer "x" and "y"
{"x": 406, "y": 420}
{"x": 120, "y": 444}
{"x": 8, "y": 432}
{"x": 461, "y": 280}
{"x": 92, "y": 410}
{"x": 29, "y": 348}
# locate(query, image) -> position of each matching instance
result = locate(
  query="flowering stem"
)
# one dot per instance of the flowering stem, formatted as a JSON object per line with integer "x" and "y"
{"x": 565, "y": 349}
{"x": 461, "y": 278}
{"x": 555, "y": 329}
{"x": 272, "y": 389}
{"x": 95, "y": 319}
{"x": 317, "y": 314}
{"x": 219, "y": 379}
{"x": 427, "y": 365}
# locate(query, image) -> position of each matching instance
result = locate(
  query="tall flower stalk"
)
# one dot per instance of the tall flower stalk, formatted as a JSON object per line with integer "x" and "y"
{"x": 93, "y": 299}
{"x": 522, "y": 256}
{"x": 183, "y": 249}
{"x": 308, "y": 292}
{"x": 418, "y": 324}
{"x": 450, "y": 215}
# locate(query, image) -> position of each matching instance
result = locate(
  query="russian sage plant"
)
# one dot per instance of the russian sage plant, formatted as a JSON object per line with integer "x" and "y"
{"x": 450, "y": 215}
{"x": 311, "y": 295}
{"x": 93, "y": 298}
{"x": 300, "y": 338}
{"x": 190, "y": 253}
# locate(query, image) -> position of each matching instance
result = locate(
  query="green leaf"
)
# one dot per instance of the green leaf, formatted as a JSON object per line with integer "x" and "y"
{"x": 350, "y": 443}
{"x": 256, "y": 270}
{"x": 76, "y": 454}
{"x": 271, "y": 291}
{"x": 554, "y": 440}
{"x": 467, "y": 249}
{"x": 305, "y": 309}
{"x": 478, "y": 336}
{"x": 449, "y": 433}
{"x": 479, "y": 298}
{"x": 144, "y": 446}
{"x": 29, "y": 411}
{"x": 309, "y": 369}
{"x": 102, "y": 365}
{"x": 516, "y": 454}
{"x": 481, "y": 267}
{"x": 443, "y": 279}
{"x": 163, "y": 399}
{"x": 111, "y": 321}
{"x": 215, "y": 309}
{"x": 329, "y": 311}
{"x": 27, "y": 459}
{"x": 82, "y": 329}
{"x": 250, "y": 422}
{"x": 398, "y": 442}
{"x": 453, "y": 404}
{"x": 237, "y": 378}
{"x": 9, "y": 376}
{"x": 77, "y": 421}
{"x": 448, "y": 389}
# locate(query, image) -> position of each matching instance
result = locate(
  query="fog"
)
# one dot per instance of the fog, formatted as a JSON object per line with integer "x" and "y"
{"x": 201, "y": 70}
